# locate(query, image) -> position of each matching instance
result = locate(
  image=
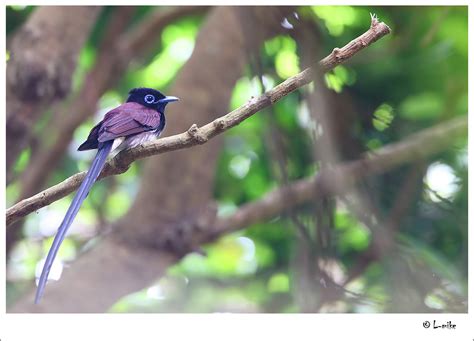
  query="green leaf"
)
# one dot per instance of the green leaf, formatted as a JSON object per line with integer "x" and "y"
{"x": 423, "y": 106}
{"x": 287, "y": 64}
{"x": 383, "y": 117}
{"x": 279, "y": 282}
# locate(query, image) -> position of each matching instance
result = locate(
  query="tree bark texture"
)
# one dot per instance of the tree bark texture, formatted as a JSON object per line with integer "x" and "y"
{"x": 43, "y": 58}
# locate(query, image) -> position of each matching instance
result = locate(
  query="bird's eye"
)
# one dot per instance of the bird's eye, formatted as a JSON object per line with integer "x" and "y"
{"x": 149, "y": 99}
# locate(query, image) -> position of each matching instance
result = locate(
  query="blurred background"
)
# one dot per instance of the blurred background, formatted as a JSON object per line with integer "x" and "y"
{"x": 394, "y": 242}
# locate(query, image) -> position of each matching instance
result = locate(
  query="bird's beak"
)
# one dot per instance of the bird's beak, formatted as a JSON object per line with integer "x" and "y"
{"x": 168, "y": 99}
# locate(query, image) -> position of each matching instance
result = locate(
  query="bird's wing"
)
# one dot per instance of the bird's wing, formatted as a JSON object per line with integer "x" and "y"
{"x": 128, "y": 119}
{"x": 92, "y": 140}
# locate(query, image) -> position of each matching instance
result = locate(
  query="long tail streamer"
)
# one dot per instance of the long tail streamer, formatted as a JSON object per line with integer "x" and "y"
{"x": 71, "y": 213}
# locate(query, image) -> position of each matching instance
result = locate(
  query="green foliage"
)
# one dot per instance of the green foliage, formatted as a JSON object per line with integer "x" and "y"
{"x": 84, "y": 63}
{"x": 352, "y": 235}
{"x": 279, "y": 282}
{"x": 339, "y": 77}
{"x": 338, "y": 18}
{"x": 177, "y": 44}
{"x": 16, "y": 16}
{"x": 421, "y": 106}
{"x": 383, "y": 117}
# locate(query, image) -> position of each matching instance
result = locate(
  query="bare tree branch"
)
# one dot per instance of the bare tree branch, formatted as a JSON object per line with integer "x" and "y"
{"x": 195, "y": 135}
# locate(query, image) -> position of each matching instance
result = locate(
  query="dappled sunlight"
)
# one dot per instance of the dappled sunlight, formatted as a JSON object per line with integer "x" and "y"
{"x": 442, "y": 182}
{"x": 55, "y": 273}
{"x": 239, "y": 166}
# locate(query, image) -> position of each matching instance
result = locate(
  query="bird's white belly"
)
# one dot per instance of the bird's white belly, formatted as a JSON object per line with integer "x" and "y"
{"x": 133, "y": 141}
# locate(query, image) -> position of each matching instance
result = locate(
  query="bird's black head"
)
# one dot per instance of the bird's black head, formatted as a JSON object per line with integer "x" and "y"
{"x": 150, "y": 98}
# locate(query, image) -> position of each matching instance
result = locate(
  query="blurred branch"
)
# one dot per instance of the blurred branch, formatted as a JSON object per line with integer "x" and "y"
{"x": 429, "y": 36}
{"x": 194, "y": 135}
{"x": 43, "y": 58}
{"x": 274, "y": 140}
{"x": 142, "y": 38}
{"x": 384, "y": 232}
{"x": 342, "y": 177}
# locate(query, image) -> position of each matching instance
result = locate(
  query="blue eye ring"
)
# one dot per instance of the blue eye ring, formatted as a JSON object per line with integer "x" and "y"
{"x": 149, "y": 99}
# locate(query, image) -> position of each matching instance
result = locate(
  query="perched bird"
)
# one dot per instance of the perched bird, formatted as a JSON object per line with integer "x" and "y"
{"x": 140, "y": 119}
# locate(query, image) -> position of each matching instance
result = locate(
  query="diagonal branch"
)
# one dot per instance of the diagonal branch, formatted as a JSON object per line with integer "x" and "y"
{"x": 342, "y": 177}
{"x": 195, "y": 135}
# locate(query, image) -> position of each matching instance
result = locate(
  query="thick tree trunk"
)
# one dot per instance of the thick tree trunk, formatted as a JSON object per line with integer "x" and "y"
{"x": 175, "y": 186}
{"x": 42, "y": 60}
